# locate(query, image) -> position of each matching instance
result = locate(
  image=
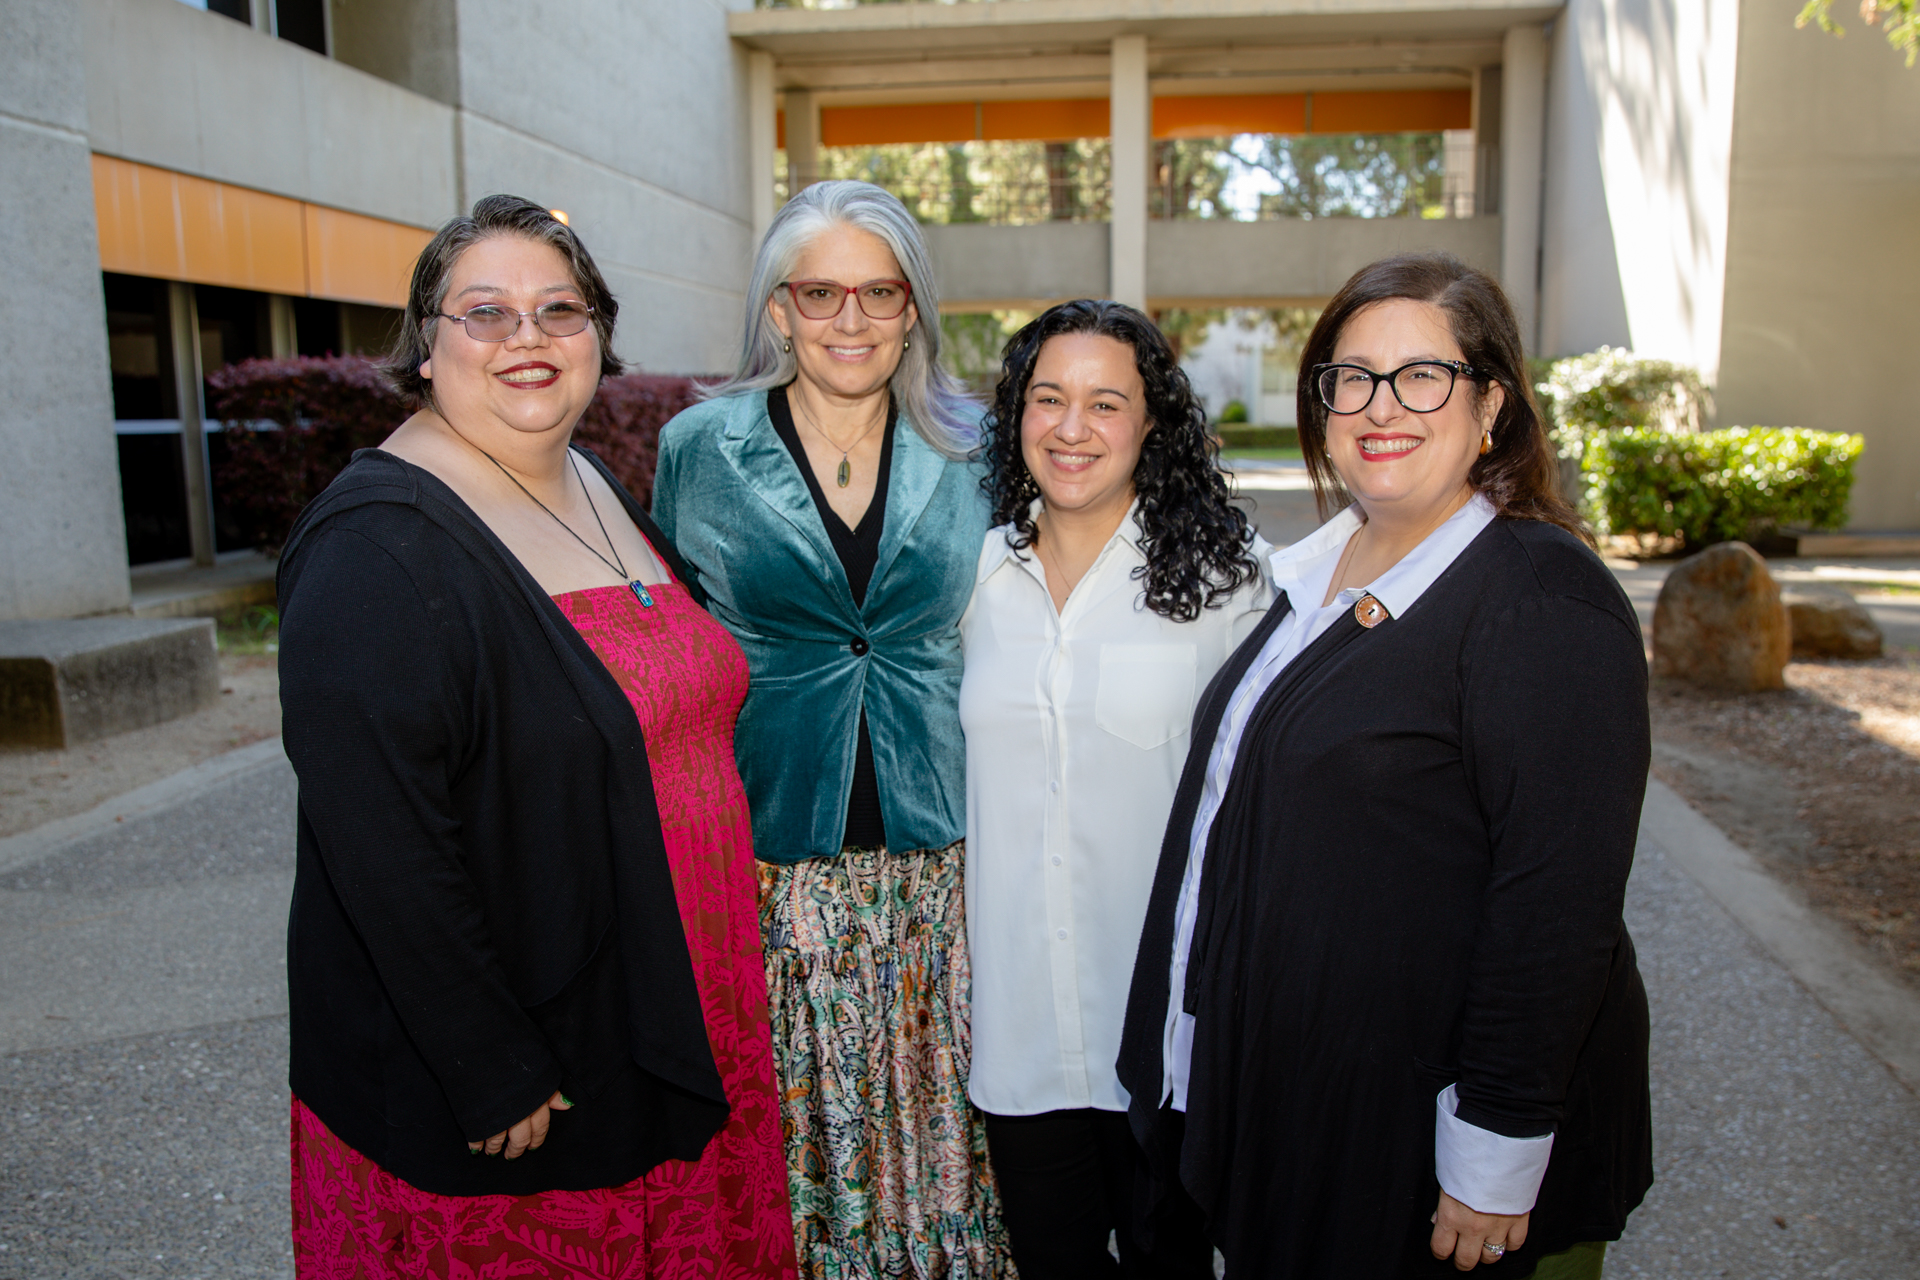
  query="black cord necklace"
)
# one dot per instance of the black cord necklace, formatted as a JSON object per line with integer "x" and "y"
{"x": 616, "y": 564}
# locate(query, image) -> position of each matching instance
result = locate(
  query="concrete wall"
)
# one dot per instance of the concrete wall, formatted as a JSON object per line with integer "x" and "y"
{"x": 979, "y": 263}
{"x": 62, "y": 544}
{"x": 1205, "y": 260}
{"x": 1640, "y": 119}
{"x": 193, "y": 91}
{"x": 1822, "y": 279}
{"x": 644, "y": 145}
{"x": 412, "y": 43}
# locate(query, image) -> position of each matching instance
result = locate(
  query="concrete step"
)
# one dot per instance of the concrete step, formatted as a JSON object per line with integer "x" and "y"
{"x": 71, "y": 681}
{"x": 182, "y": 589}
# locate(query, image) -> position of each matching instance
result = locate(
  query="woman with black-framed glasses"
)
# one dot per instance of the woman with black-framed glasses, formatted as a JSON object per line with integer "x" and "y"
{"x": 825, "y": 495}
{"x": 1385, "y": 1019}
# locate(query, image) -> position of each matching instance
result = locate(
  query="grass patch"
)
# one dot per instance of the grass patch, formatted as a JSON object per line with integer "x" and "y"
{"x": 254, "y": 629}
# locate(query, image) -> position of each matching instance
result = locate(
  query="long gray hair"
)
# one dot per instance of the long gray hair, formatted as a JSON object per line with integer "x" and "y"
{"x": 933, "y": 400}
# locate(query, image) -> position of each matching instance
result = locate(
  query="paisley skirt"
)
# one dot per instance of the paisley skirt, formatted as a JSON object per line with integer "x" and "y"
{"x": 868, "y": 984}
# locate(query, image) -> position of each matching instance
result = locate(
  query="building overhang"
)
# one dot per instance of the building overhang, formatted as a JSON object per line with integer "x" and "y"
{"x": 1059, "y": 48}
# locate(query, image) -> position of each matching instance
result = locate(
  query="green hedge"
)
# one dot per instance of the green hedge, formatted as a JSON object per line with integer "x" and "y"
{"x": 1717, "y": 486}
{"x": 1236, "y": 438}
{"x": 1611, "y": 389}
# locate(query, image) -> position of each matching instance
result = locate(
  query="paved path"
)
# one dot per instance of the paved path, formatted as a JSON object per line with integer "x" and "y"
{"x": 143, "y": 1066}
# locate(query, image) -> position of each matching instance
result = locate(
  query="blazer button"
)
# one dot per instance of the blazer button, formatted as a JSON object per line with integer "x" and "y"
{"x": 859, "y": 648}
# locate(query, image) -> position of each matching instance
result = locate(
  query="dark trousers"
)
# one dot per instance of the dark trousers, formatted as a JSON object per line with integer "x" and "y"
{"x": 1067, "y": 1179}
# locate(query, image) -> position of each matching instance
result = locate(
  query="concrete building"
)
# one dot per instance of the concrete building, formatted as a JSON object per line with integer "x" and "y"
{"x": 194, "y": 181}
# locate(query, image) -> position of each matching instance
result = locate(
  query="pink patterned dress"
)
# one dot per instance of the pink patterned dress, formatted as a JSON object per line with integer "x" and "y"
{"x": 723, "y": 1215}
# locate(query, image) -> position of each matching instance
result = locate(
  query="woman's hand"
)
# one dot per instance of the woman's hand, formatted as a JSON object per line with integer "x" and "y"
{"x": 524, "y": 1136}
{"x": 1464, "y": 1235}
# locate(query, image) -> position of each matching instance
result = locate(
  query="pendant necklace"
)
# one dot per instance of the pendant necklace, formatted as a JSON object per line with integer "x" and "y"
{"x": 844, "y": 475}
{"x": 616, "y": 564}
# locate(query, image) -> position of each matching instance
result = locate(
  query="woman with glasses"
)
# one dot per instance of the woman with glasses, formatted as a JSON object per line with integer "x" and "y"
{"x": 1385, "y": 1019}
{"x": 528, "y": 1007}
{"x": 823, "y": 497}
{"x": 1117, "y": 579}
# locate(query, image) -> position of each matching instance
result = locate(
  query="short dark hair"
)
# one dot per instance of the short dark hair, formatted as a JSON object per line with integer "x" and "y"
{"x": 1519, "y": 475}
{"x": 1197, "y": 543}
{"x": 492, "y": 216}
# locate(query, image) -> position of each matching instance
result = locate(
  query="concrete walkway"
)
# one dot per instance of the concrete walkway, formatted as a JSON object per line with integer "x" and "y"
{"x": 143, "y": 1064}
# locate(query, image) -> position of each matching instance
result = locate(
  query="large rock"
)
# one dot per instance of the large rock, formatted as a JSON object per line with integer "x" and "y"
{"x": 1829, "y": 623}
{"x": 1720, "y": 622}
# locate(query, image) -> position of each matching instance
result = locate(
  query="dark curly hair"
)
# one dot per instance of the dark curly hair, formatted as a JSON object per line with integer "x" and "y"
{"x": 1195, "y": 540}
{"x": 1519, "y": 474}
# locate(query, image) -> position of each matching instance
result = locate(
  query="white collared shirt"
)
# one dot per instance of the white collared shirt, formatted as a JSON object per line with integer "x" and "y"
{"x": 1077, "y": 724}
{"x": 1484, "y": 1170}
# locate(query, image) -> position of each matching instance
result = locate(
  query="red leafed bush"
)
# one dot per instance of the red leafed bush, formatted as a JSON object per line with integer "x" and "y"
{"x": 325, "y": 408}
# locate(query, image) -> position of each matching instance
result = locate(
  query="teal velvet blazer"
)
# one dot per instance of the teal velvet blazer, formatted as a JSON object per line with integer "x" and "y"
{"x": 730, "y": 497}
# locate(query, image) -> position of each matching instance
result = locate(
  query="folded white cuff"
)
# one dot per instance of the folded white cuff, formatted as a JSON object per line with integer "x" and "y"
{"x": 1486, "y": 1171}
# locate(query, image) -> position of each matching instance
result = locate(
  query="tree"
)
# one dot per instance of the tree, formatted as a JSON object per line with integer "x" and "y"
{"x": 1354, "y": 175}
{"x": 1900, "y": 19}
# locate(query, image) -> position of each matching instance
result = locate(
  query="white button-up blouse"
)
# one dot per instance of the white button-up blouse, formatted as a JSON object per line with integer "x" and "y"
{"x": 1076, "y": 724}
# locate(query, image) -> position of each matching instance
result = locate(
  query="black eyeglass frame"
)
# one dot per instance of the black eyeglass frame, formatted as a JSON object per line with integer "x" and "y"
{"x": 793, "y": 286}
{"x": 1454, "y": 368}
{"x": 520, "y": 316}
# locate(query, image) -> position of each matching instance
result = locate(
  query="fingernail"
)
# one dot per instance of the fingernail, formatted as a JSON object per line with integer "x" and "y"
{"x": 473, "y": 1151}
{"x": 564, "y": 1098}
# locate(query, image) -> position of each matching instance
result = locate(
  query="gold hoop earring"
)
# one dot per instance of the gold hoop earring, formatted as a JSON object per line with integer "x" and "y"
{"x": 1486, "y": 442}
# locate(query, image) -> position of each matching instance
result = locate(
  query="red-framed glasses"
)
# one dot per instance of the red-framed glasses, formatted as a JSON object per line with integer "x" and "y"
{"x": 824, "y": 299}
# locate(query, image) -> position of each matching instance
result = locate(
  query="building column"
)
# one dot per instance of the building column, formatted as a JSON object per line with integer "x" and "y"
{"x": 183, "y": 324}
{"x": 1486, "y": 141}
{"x": 803, "y": 140}
{"x": 1523, "y": 140}
{"x": 283, "y": 336}
{"x": 762, "y": 141}
{"x": 1132, "y": 128}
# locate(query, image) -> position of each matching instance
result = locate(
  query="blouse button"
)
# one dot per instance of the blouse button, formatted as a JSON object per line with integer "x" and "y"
{"x": 1056, "y": 859}
{"x": 859, "y": 648}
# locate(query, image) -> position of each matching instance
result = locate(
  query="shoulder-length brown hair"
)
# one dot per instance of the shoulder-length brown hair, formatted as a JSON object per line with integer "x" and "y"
{"x": 1519, "y": 475}
{"x": 433, "y": 274}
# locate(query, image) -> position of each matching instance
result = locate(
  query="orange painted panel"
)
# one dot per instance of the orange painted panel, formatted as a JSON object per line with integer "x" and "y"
{"x": 1223, "y": 115}
{"x": 154, "y": 222}
{"x": 355, "y": 258}
{"x": 904, "y": 122}
{"x": 1046, "y": 119}
{"x": 1393, "y": 111}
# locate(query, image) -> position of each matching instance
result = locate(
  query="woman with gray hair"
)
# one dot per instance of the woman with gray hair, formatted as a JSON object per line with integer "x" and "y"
{"x": 823, "y": 495}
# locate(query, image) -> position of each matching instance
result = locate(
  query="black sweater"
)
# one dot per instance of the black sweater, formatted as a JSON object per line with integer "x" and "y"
{"x": 1414, "y": 880}
{"x": 482, "y": 911}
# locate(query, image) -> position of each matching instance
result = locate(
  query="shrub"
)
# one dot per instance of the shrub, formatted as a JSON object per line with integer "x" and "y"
{"x": 323, "y": 409}
{"x": 1611, "y": 389}
{"x": 1234, "y": 412}
{"x": 1232, "y": 438}
{"x": 1716, "y": 486}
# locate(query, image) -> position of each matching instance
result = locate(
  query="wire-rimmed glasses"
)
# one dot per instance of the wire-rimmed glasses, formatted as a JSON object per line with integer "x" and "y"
{"x": 492, "y": 322}
{"x": 823, "y": 299}
{"x": 1421, "y": 387}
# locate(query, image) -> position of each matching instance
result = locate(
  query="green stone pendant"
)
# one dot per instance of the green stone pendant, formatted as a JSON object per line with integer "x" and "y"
{"x": 845, "y": 473}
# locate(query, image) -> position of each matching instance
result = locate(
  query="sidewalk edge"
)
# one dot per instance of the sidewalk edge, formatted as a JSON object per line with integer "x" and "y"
{"x": 50, "y": 837}
{"x": 1881, "y": 1014}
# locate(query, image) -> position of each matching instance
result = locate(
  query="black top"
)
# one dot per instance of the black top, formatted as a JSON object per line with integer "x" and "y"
{"x": 1415, "y": 879}
{"x": 859, "y": 552}
{"x": 482, "y": 909}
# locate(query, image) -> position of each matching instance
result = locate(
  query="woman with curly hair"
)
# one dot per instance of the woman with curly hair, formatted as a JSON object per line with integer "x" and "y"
{"x": 1118, "y": 579}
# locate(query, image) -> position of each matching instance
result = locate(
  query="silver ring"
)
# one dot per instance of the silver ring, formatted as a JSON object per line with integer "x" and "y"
{"x": 1497, "y": 1250}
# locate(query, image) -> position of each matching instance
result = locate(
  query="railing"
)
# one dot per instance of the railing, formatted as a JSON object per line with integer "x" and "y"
{"x": 1249, "y": 178}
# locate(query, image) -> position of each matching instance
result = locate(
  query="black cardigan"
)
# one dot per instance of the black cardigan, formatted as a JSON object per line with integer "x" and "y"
{"x": 1415, "y": 879}
{"x": 482, "y": 906}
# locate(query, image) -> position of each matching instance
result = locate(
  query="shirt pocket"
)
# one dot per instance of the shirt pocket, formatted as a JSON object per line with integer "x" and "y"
{"x": 1145, "y": 695}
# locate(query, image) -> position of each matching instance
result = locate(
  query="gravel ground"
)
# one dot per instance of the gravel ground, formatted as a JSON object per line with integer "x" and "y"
{"x": 39, "y": 786}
